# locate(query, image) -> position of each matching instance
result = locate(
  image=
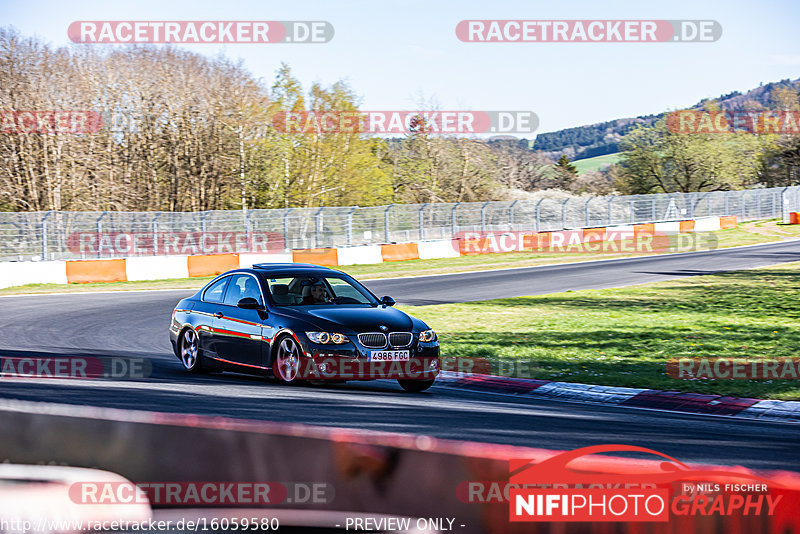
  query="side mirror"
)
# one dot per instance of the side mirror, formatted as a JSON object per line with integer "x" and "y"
{"x": 386, "y": 300}
{"x": 249, "y": 303}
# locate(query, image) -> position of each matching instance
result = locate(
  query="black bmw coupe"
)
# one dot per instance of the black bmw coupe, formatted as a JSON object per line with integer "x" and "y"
{"x": 300, "y": 322}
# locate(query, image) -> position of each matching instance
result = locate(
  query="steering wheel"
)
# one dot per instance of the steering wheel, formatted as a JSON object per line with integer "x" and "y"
{"x": 345, "y": 300}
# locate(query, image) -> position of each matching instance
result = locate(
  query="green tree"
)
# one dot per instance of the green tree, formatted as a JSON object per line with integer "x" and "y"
{"x": 658, "y": 160}
{"x": 565, "y": 174}
{"x": 563, "y": 164}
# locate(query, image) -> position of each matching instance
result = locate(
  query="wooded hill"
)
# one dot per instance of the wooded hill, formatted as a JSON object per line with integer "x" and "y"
{"x": 603, "y": 138}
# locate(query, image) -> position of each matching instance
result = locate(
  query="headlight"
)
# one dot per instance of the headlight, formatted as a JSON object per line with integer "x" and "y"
{"x": 427, "y": 335}
{"x": 325, "y": 338}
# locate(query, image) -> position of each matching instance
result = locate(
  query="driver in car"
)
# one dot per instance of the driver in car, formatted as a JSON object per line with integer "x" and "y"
{"x": 316, "y": 294}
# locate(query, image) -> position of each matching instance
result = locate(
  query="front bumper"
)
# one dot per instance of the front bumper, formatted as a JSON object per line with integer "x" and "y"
{"x": 351, "y": 361}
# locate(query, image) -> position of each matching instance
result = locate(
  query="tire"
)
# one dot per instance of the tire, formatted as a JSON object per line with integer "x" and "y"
{"x": 190, "y": 351}
{"x": 415, "y": 386}
{"x": 286, "y": 362}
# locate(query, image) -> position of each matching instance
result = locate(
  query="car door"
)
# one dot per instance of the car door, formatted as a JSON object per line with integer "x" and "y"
{"x": 210, "y": 301}
{"x": 237, "y": 331}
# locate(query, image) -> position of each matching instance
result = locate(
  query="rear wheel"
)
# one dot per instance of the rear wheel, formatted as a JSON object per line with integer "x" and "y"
{"x": 190, "y": 351}
{"x": 415, "y": 386}
{"x": 286, "y": 364}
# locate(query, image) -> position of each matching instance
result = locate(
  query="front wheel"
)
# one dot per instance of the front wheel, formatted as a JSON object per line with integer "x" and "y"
{"x": 415, "y": 386}
{"x": 286, "y": 364}
{"x": 190, "y": 353}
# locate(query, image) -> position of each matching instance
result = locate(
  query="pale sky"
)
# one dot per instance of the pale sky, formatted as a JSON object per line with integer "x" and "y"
{"x": 394, "y": 54}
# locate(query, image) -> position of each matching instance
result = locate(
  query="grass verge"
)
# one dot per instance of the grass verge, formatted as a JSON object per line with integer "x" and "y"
{"x": 625, "y": 336}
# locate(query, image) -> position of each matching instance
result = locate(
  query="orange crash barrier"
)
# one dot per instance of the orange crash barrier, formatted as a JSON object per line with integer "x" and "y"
{"x": 686, "y": 227}
{"x": 593, "y": 234}
{"x": 212, "y": 264}
{"x": 470, "y": 247}
{"x": 728, "y": 221}
{"x": 530, "y": 241}
{"x": 82, "y": 271}
{"x": 794, "y": 217}
{"x": 327, "y": 257}
{"x": 400, "y": 252}
{"x": 647, "y": 229}
{"x": 535, "y": 241}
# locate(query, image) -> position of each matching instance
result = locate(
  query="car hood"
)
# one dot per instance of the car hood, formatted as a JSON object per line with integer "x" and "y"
{"x": 362, "y": 319}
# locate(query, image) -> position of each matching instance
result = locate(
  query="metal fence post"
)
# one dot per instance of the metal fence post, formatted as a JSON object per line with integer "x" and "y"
{"x": 246, "y": 223}
{"x": 511, "y": 215}
{"x": 610, "y": 209}
{"x": 386, "y": 223}
{"x": 155, "y": 233}
{"x": 586, "y": 212}
{"x": 783, "y": 202}
{"x": 744, "y": 205}
{"x": 633, "y": 212}
{"x": 453, "y": 219}
{"x": 653, "y": 209}
{"x": 44, "y": 234}
{"x": 726, "y": 203}
{"x": 203, "y": 227}
{"x": 483, "y": 217}
{"x": 317, "y": 226}
{"x": 286, "y": 212}
{"x": 538, "y": 218}
{"x": 422, "y": 221}
{"x": 99, "y": 226}
{"x": 758, "y": 204}
{"x": 564, "y": 213}
{"x": 349, "y": 229}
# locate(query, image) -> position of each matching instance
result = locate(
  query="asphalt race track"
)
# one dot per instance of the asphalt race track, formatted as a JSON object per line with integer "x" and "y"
{"x": 134, "y": 324}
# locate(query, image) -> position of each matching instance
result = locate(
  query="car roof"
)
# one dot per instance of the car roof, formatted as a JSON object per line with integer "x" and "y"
{"x": 288, "y": 266}
{"x": 277, "y": 268}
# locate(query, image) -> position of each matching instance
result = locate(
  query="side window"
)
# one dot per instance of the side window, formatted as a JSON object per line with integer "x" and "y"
{"x": 241, "y": 286}
{"x": 284, "y": 291}
{"x": 215, "y": 291}
{"x": 342, "y": 289}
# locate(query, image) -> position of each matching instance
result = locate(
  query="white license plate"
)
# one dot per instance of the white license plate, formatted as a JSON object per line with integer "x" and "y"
{"x": 389, "y": 355}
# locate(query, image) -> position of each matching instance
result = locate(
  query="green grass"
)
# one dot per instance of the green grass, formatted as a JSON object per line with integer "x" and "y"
{"x": 595, "y": 163}
{"x": 724, "y": 238}
{"x": 624, "y": 337}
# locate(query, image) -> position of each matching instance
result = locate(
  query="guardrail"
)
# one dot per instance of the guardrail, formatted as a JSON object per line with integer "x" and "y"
{"x": 138, "y": 268}
{"x": 367, "y": 472}
{"x": 84, "y": 235}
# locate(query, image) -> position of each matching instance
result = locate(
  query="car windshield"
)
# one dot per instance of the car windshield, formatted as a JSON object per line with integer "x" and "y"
{"x": 315, "y": 290}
